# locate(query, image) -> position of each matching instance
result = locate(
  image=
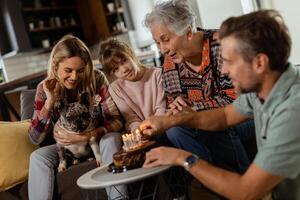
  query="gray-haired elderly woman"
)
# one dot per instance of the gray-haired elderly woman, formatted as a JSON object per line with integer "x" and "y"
{"x": 193, "y": 82}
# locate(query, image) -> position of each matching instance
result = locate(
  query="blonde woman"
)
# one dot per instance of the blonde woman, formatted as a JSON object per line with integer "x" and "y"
{"x": 70, "y": 72}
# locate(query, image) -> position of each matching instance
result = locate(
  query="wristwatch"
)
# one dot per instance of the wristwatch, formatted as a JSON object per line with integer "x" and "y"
{"x": 190, "y": 161}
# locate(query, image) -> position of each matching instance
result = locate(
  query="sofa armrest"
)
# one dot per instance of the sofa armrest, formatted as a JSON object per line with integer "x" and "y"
{"x": 27, "y": 103}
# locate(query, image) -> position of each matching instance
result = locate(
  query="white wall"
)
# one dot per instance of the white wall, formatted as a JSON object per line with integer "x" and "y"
{"x": 290, "y": 12}
{"x": 194, "y": 6}
{"x": 141, "y": 34}
{"x": 213, "y": 12}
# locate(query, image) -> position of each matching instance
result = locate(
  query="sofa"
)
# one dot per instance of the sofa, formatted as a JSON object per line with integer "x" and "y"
{"x": 65, "y": 185}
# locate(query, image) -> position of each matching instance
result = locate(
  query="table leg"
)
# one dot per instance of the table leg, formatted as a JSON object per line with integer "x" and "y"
{"x": 178, "y": 181}
{"x": 141, "y": 190}
{"x": 122, "y": 196}
{"x": 96, "y": 194}
{"x": 145, "y": 189}
{"x": 155, "y": 189}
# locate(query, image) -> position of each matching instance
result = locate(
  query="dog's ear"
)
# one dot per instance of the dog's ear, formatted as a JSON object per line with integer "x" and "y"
{"x": 84, "y": 99}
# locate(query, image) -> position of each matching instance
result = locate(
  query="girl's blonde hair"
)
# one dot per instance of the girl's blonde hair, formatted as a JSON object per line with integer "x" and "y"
{"x": 112, "y": 52}
{"x": 71, "y": 46}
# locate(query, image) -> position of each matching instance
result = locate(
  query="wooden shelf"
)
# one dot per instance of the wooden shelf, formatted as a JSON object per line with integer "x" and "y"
{"x": 45, "y": 9}
{"x": 119, "y": 32}
{"x": 119, "y": 10}
{"x": 53, "y": 28}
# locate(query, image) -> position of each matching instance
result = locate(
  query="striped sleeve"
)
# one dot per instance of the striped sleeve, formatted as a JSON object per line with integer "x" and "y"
{"x": 223, "y": 82}
{"x": 41, "y": 120}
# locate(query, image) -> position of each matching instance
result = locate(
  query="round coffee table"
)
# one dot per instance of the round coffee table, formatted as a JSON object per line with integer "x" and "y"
{"x": 100, "y": 178}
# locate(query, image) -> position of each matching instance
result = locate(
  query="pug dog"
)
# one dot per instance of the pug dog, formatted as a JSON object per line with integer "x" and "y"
{"x": 76, "y": 118}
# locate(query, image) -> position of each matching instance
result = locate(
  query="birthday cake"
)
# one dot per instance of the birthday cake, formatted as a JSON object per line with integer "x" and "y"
{"x": 133, "y": 151}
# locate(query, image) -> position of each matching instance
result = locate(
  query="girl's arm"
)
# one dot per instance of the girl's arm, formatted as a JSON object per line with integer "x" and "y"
{"x": 160, "y": 106}
{"x": 132, "y": 121}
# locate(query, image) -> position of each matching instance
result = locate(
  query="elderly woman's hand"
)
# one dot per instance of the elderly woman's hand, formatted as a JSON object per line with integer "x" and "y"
{"x": 179, "y": 103}
{"x": 184, "y": 110}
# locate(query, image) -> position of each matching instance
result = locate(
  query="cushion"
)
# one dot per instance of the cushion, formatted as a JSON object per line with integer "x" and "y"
{"x": 15, "y": 150}
{"x": 27, "y": 102}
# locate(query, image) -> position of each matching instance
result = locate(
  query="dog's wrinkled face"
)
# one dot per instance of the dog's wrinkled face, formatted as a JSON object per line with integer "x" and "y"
{"x": 76, "y": 116}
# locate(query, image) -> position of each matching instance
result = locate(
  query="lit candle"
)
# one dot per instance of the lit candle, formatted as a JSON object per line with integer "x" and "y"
{"x": 125, "y": 147}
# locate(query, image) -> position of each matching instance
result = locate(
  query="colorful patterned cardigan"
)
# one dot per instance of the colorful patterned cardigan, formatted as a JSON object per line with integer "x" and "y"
{"x": 205, "y": 89}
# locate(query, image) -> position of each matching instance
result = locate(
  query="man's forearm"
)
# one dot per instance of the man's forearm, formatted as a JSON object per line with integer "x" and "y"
{"x": 223, "y": 182}
{"x": 211, "y": 120}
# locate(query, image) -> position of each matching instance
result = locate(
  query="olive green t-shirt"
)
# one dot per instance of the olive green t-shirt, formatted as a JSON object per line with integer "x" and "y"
{"x": 277, "y": 126}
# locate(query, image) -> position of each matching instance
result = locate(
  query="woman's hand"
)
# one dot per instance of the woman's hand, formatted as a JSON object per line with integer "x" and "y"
{"x": 66, "y": 138}
{"x": 179, "y": 105}
{"x": 51, "y": 87}
{"x": 184, "y": 110}
{"x": 165, "y": 156}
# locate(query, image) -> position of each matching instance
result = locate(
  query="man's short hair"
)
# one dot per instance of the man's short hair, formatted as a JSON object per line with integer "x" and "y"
{"x": 260, "y": 32}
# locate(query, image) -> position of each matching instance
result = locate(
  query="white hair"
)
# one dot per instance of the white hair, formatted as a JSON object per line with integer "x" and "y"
{"x": 175, "y": 14}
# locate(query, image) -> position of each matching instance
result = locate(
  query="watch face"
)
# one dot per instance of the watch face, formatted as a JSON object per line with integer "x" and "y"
{"x": 192, "y": 159}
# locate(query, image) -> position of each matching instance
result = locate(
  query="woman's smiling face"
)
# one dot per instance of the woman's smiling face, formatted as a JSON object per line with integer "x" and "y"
{"x": 70, "y": 72}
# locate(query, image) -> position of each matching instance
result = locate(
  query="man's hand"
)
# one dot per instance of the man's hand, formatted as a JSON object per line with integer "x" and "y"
{"x": 165, "y": 156}
{"x": 155, "y": 125}
{"x": 67, "y": 138}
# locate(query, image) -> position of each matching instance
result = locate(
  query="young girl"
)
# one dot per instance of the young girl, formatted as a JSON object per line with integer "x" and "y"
{"x": 71, "y": 72}
{"x": 137, "y": 90}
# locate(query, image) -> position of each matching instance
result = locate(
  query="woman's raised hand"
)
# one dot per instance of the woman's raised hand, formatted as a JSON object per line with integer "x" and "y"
{"x": 51, "y": 87}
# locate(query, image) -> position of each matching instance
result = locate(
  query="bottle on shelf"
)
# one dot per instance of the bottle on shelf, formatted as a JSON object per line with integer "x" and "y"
{"x": 117, "y": 4}
{"x": 57, "y": 21}
{"x": 110, "y": 7}
{"x": 48, "y": 20}
{"x": 52, "y": 22}
{"x": 72, "y": 20}
{"x": 37, "y": 4}
{"x": 46, "y": 43}
{"x": 120, "y": 24}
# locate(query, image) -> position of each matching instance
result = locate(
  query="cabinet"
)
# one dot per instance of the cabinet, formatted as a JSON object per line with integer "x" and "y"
{"x": 46, "y": 21}
{"x": 117, "y": 16}
{"x": 104, "y": 18}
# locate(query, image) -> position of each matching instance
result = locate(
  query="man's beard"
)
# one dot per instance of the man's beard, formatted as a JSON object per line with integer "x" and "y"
{"x": 255, "y": 88}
